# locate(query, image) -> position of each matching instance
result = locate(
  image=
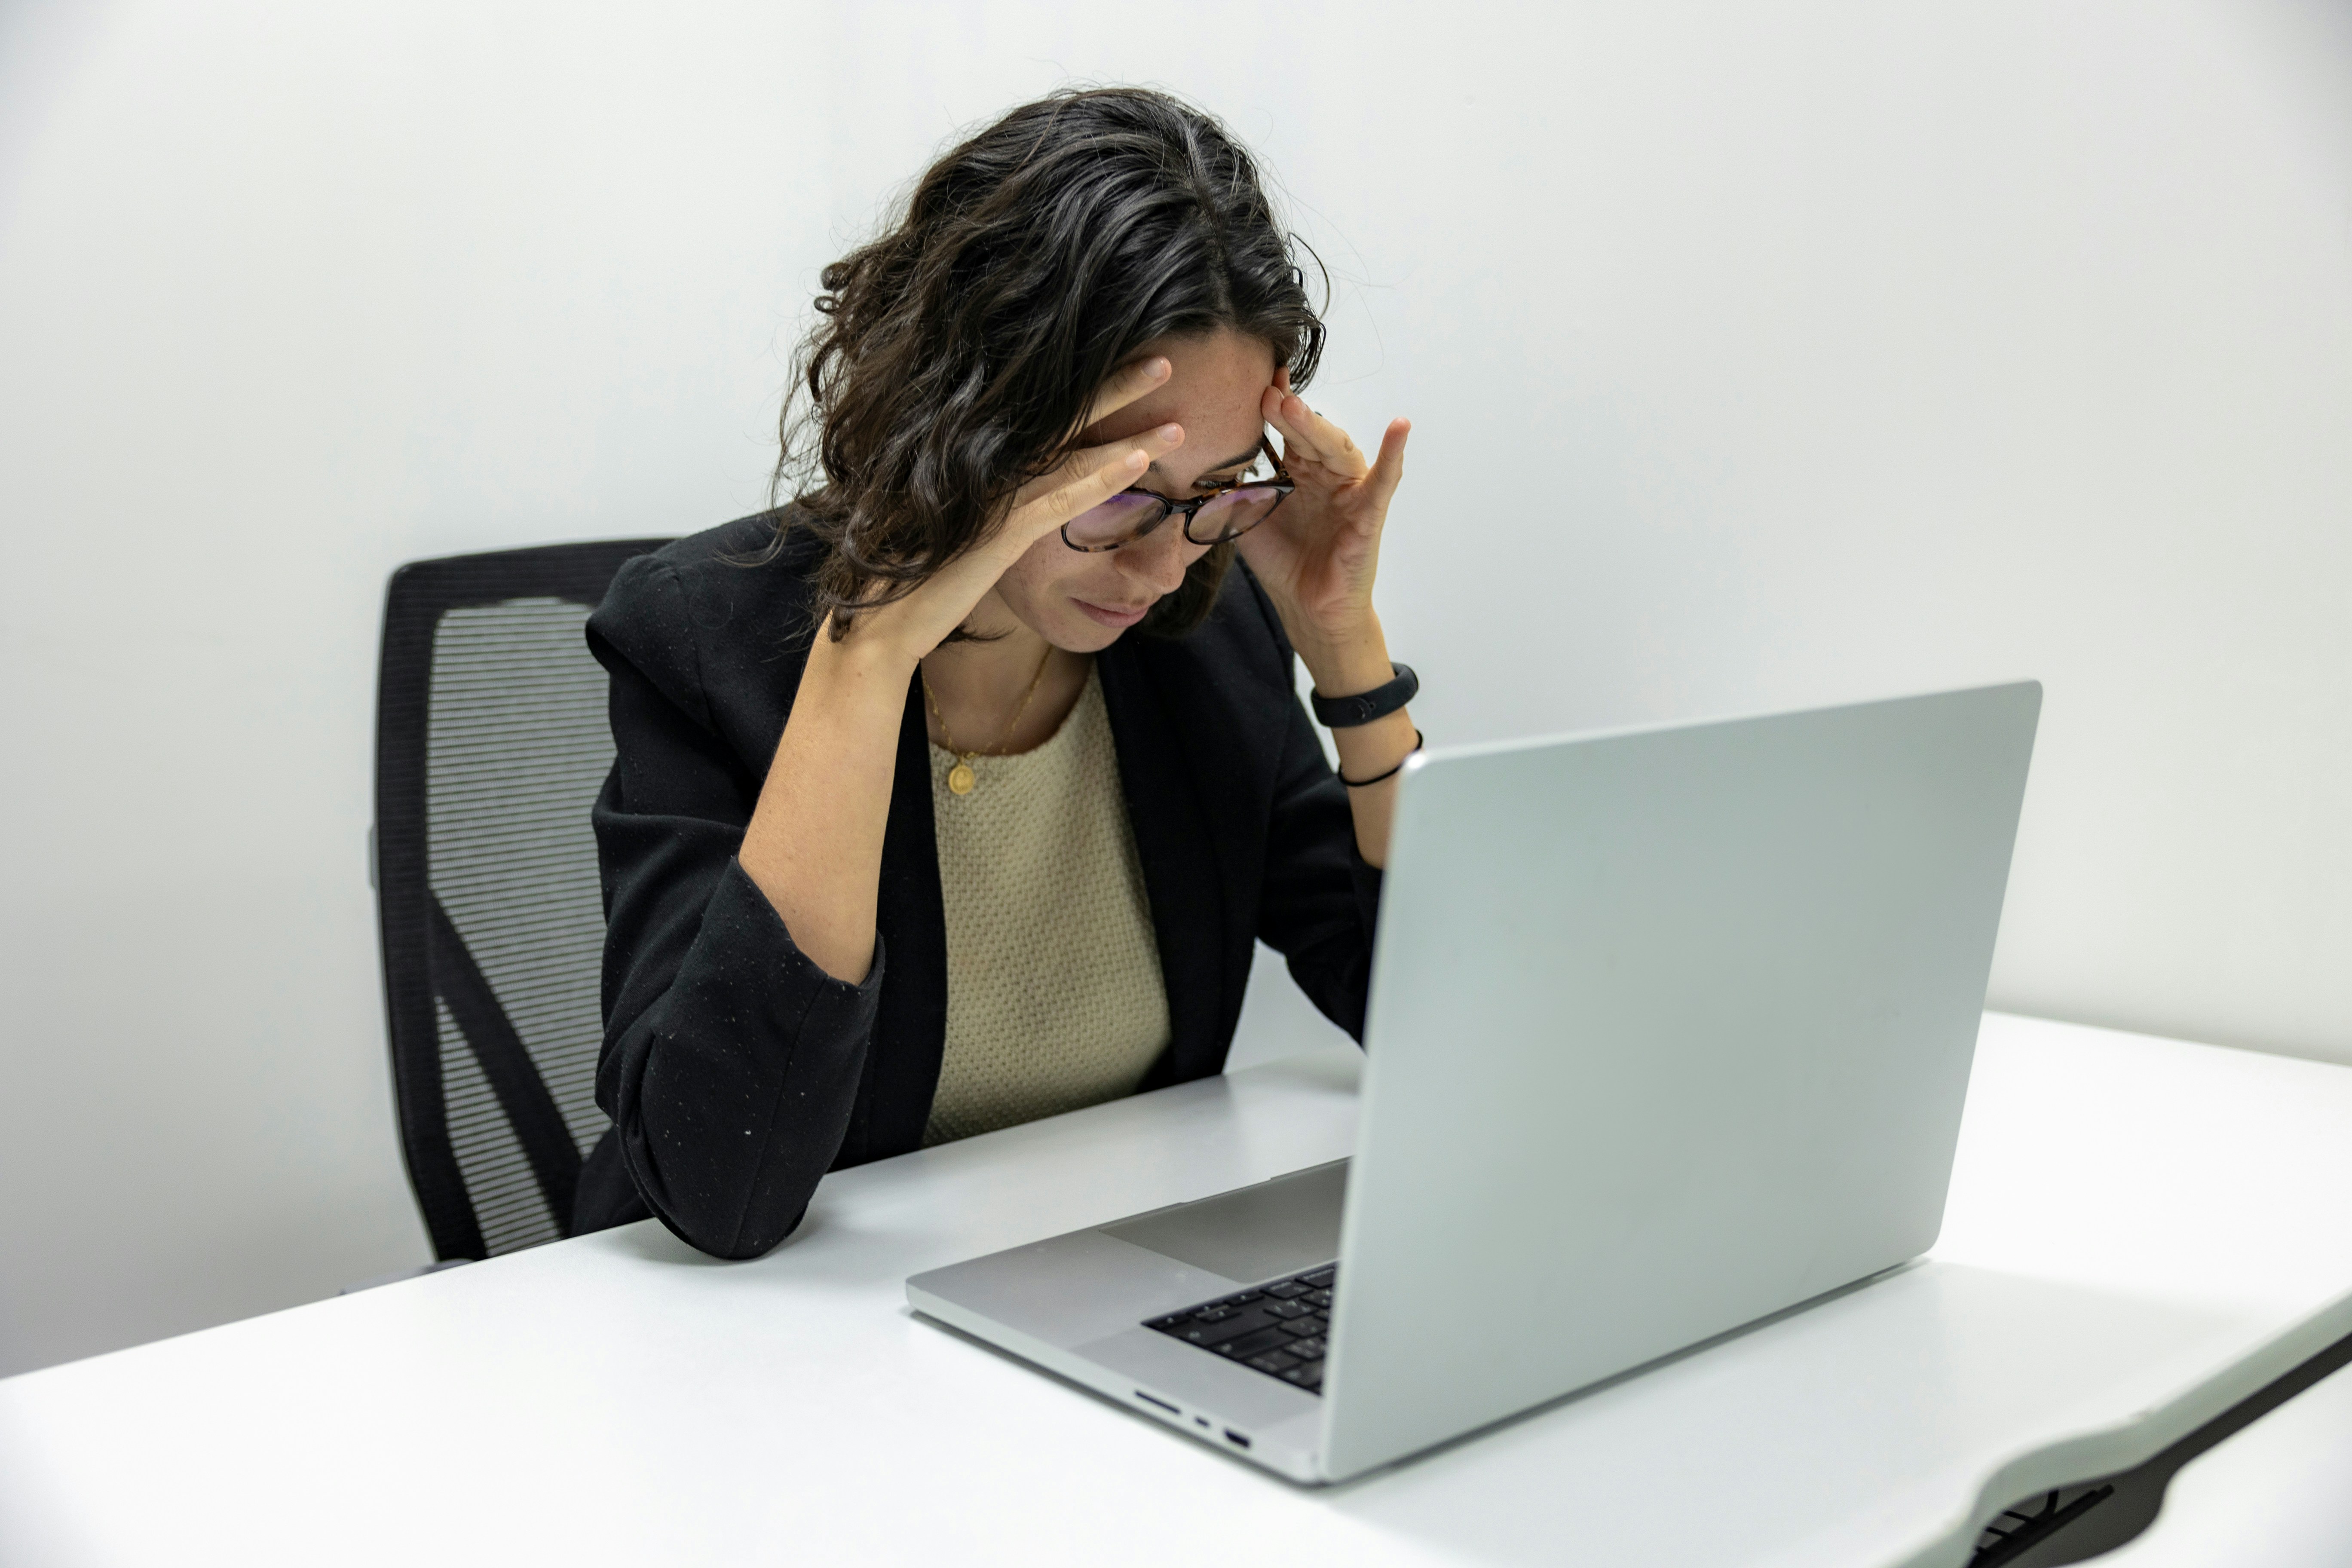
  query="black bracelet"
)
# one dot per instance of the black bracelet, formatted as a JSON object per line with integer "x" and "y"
{"x": 1347, "y": 712}
{"x": 1377, "y": 778}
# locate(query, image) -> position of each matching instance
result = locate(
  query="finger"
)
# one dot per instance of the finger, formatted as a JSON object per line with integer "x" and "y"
{"x": 1334, "y": 447}
{"x": 1306, "y": 433}
{"x": 1092, "y": 489}
{"x": 1156, "y": 444}
{"x": 1296, "y": 444}
{"x": 1388, "y": 468}
{"x": 1123, "y": 386}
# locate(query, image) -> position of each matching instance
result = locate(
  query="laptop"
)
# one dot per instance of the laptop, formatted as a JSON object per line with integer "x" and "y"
{"x": 1669, "y": 1032}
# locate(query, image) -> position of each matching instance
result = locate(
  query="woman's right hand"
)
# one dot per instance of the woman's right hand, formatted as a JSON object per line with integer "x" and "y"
{"x": 904, "y": 631}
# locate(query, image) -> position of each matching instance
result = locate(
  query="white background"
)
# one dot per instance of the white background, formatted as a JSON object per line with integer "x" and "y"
{"x": 1759, "y": 356}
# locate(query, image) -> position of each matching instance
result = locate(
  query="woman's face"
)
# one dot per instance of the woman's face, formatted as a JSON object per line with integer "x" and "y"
{"x": 1081, "y": 602}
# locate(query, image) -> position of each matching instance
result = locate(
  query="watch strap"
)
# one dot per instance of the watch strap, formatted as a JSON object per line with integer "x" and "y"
{"x": 1347, "y": 712}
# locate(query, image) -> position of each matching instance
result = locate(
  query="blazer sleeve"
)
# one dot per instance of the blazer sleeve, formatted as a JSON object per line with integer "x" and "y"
{"x": 1321, "y": 897}
{"x": 730, "y": 1061}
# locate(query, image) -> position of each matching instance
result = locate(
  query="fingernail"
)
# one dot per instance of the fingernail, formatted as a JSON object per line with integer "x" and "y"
{"x": 1171, "y": 434}
{"x": 1156, "y": 368}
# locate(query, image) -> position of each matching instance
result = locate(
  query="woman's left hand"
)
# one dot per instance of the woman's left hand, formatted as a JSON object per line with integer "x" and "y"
{"x": 1316, "y": 556}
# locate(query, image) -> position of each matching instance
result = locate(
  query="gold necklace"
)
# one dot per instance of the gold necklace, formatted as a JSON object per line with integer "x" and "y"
{"x": 962, "y": 780}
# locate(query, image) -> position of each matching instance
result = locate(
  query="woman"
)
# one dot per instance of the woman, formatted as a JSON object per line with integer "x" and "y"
{"x": 958, "y": 792}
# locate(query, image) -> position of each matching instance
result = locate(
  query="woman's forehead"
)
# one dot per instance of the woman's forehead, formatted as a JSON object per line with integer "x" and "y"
{"x": 1213, "y": 390}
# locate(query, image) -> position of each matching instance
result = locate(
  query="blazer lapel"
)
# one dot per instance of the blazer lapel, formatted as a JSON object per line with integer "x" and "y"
{"x": 1183, "y": 871}
{"x": 902, "y": 1067}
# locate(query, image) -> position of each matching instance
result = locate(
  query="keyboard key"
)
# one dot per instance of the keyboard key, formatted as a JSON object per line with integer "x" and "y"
{"x": 1286, "y": 1310}
{"x": 1305, "y": 1349}
{"x": 1321, "y": 1278}
{"x": 1214, "y": 1334}
{"x": 1304, "y": 1327}
{"x": 1275, "y": 1362}
{"x": 1248, "y": 1345}
{"x": 1216, "y": 1314}
{"x": 1171, "y": 1322}
{"x": 1285, "y": 1291}
{"x": 1306, "y": 1374}
{"x": 1320, "y": 1299}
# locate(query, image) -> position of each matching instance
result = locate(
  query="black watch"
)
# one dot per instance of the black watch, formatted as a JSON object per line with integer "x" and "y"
{"x": 1347, "y": 712}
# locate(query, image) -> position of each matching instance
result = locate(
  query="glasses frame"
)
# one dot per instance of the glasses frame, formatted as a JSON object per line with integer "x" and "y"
{"x": 1281, "y": 484}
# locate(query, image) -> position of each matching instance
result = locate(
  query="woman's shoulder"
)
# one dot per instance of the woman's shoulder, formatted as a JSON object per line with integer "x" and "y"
{"x": 712, "y": 613}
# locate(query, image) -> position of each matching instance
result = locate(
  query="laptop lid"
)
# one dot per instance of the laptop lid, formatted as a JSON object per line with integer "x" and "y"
{"x": 1670, "y": 1030}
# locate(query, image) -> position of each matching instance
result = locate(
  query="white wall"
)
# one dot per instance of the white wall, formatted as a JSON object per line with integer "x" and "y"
{"x": 1759, "y": 356}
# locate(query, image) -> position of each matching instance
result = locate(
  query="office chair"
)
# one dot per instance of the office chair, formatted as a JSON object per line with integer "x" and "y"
{"x": 491, "y": 743}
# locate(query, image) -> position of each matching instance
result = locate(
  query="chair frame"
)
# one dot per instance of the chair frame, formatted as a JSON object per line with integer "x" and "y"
{"x": 423, "y": 954}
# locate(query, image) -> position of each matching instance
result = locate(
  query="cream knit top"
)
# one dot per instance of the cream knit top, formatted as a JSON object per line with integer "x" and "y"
{"x": 1054, "y": 999}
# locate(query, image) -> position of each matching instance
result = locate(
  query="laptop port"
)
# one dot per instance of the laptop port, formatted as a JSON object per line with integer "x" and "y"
{"x": 1161, "y": 1402}
{"x": 1235, "y": 1439}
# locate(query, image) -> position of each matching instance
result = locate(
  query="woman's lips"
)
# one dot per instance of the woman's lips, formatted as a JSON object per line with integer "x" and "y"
{"x": 1108, "y": 616}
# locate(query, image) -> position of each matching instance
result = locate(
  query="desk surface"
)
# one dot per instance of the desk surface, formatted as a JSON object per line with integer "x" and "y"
{"x": 2141, "y": 1232}
{"x": 2273, "y": 1496}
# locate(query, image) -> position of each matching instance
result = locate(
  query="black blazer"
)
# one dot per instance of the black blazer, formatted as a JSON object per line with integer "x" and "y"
{"x": 736, "y": 1072}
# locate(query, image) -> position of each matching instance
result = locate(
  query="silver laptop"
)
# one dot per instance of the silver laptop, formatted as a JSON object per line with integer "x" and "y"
{"x": 1670, "y": 1031}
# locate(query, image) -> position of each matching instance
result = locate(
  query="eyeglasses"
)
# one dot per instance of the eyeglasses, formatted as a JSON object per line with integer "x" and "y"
{"x": 1220, "y": 517}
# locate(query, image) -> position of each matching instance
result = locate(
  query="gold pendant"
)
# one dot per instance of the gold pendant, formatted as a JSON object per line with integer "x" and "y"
{"x": 960, "y": 779}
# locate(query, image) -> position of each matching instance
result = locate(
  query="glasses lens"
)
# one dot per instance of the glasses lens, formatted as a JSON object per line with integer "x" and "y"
{"x": 1115, "y": 522}
{"x": 1233, "y": 514}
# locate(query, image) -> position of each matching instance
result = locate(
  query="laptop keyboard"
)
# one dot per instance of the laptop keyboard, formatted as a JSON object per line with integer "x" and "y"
{"x": 1277, "y": 1329}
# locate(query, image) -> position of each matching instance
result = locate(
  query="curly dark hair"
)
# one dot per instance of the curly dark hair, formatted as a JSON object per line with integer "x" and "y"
{"x": 955, "y": 355}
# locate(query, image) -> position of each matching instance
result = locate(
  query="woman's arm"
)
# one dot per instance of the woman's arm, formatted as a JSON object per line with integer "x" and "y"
{"x": 1366, "y": 751}
{"x": 731, "y": 1062}
{"x": 1321, "y": 899}
{"x": 814, "y": 845}
{"x": 1317, "y": 557}
{"x": 742, "y": 967}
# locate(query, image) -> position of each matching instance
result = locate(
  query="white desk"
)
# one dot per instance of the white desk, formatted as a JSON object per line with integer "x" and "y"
{"x": 2277, "y": 1495}
{"x": 2141, "y": 1232}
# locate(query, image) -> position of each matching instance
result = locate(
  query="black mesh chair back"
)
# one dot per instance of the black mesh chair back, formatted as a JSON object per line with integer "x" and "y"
{"x": 491, "y": 744}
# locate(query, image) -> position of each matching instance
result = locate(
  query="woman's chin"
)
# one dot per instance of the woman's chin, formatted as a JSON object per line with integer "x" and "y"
{"x": 1082, "y": 638}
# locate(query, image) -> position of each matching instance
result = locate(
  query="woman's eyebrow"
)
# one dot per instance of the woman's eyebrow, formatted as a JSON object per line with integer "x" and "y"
{"x": 1229, "y": 463}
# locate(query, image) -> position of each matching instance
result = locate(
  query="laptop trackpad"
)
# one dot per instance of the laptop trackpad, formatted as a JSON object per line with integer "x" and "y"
{"x": 1255, "y": 1233}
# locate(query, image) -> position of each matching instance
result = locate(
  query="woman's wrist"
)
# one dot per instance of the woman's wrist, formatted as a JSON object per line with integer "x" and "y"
{"x": 863, "y": 666}
{"x": 1352, "y": 661}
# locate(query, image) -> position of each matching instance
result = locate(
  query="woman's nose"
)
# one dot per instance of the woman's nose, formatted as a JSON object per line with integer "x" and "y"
{"x": 1160, "y": 557}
